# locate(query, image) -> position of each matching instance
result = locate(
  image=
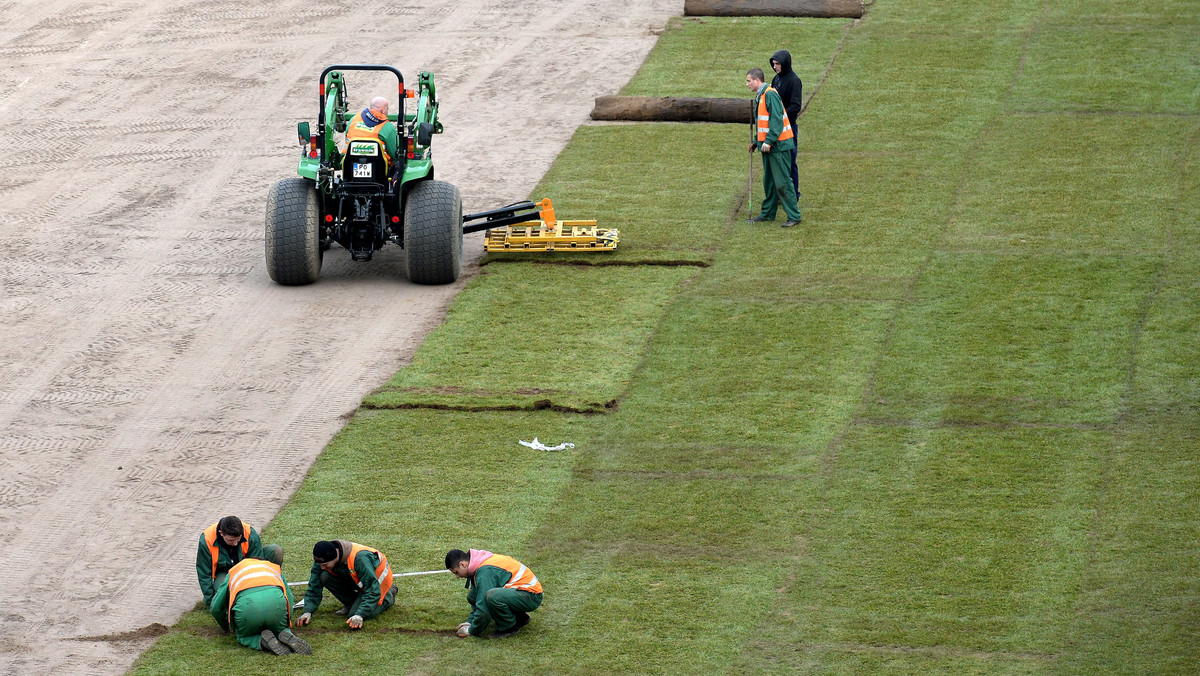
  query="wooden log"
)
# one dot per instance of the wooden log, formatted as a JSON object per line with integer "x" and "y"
{"x": 672, "y": 109}
{"x": 824, "y": 9}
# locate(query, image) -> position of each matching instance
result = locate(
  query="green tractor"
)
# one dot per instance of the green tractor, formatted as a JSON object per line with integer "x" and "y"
{"x": 358, "y": 200}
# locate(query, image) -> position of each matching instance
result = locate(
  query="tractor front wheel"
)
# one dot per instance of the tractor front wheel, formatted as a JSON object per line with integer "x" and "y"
{"x": 293, "y": 237}
{"x": 433, "y": 239}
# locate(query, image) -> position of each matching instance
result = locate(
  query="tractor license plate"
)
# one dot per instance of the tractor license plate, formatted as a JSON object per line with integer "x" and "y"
{"x": 362, "y": 170}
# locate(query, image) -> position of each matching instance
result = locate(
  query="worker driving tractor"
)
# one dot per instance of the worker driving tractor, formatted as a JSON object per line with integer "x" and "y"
{"x": 372, "y": 125}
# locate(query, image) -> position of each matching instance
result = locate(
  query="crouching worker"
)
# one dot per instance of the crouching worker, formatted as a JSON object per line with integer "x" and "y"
{"x": 223, "y": 544}
{"x": 499, "y": 588}
{"x": 255, "y": 603}
{"x": 356, "y": 575}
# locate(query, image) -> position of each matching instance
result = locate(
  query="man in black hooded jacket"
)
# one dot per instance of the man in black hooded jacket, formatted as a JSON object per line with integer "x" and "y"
{"x": 791, "y": 90}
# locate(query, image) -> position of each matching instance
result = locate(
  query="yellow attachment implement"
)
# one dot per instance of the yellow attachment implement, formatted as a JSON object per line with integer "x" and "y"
{"x": 549, "y": 234}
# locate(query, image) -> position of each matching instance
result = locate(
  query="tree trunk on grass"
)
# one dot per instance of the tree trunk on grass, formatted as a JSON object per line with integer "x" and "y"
{"x": 825, "y": 9}
{"x": 671, "y": 109}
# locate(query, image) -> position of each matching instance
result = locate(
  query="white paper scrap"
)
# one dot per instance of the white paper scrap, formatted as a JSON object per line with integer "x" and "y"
{"x": 539, "y": 446}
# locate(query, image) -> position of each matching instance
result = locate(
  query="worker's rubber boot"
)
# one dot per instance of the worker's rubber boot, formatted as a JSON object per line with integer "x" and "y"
{"x": 271, "y": 644}
{"x": 511, "y": 631}
{"x": 294, "y": 642}
{"x": 343, "y": 611}
{"x": 522, "y": 618}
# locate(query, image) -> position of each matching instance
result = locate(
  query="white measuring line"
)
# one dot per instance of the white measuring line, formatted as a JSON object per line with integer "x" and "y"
{"x": 419, "y": 572}
{"x": 300, "y": 604}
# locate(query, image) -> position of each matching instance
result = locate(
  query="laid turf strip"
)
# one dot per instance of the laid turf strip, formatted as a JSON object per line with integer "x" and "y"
{"x": 537, "y": 336}
{"x": 947, "y": 425}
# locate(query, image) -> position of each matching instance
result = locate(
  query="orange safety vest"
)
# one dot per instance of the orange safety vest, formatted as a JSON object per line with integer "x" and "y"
{"x": 358, "y": 130}
{"x": 764, "y": 119}
{"x": 210, "y": 538}
{"x": 382, "y": 571}
{"x": 251, "y": 573}
{"x": 522, "y": 577}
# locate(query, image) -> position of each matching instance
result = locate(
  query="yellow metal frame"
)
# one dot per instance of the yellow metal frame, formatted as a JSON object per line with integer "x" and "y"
{"x": 536, "y": 236}
{"x": 549, "y": 234}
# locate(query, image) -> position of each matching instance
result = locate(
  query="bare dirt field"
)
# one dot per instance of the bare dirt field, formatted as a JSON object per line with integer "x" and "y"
{"x": 152, "y": 377}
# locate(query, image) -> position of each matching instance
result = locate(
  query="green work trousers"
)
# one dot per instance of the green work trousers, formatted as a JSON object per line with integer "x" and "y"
{"x": 777, "y": 186}
{"x": 344, "y": 590}
{"x": 257, "y": 609}
{"x": 273, "y": 553}
{"x": 504, "y": 605}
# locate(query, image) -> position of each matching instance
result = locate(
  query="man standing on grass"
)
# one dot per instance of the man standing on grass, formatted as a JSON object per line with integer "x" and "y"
{"x": 499, "y": 588}
{"x": 224, "y": 544}
{"x": 773, "y": 136}
{"x": 356, "y": 575}
{"x": 791, "y": 91}
{"x": 255, "y": 603}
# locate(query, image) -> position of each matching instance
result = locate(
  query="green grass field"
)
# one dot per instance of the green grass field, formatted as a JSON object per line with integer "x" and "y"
{"x": 951, "y": 424}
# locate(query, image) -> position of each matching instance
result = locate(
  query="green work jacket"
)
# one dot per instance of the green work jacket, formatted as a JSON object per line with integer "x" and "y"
{"x": 220, "y": 605}
{"x": 367, "y": 605}
{"x": 485, "y": 578}
{"x": 227, "y": 557}
{"x": 778, "y": 116}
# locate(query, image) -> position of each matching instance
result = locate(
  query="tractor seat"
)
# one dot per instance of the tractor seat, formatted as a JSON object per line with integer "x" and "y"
{"x": 364, "y": 167}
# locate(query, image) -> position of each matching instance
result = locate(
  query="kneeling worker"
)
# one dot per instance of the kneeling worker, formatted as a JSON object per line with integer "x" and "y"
{"x": 256, "y": 604}
{"x": 356, "y": 575}
{"x": 224, "y": 544}
{"x": 499, "y": 588}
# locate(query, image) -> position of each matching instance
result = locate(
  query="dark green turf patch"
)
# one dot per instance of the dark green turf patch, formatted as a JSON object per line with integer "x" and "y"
{"x": 1116, "y": 14}
{"x": 1072, "y": 182}
{"x": 971, "y": 539}
{"x": 1140, "y": 67}
{"x": 781, "y": 375}
{"x": 935, "y": 17}
{"x": 732, "y": 46}
{"x": 1167, "y": 375}
{"x": 732, "y": 519}
{"x": 869, "y": 220}
{"x": 883, "y": 84}
{"x": 1136, "y": 610}
{"x": 1007, "y": 339}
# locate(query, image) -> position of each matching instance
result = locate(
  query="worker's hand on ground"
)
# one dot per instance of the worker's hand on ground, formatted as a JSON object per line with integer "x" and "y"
{"x": 464, "y": 630}
{"x": 303, "y": 620}
{"x": 355, "y": 622}
{"x": 766, "y": 147}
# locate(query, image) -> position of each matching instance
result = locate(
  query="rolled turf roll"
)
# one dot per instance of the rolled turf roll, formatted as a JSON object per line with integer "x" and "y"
{"x": 826, "y": 9}
{"x": 673, "y": 109}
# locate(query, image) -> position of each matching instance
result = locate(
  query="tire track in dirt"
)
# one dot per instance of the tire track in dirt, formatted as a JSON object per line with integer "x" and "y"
{"x": 148, "y": 365}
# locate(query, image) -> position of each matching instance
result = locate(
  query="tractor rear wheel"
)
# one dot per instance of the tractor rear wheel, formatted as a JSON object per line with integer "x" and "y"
{"x": 433, "y": 239}
{"x": 293, "y": 237}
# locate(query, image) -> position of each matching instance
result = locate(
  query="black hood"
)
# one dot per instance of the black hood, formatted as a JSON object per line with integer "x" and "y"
{"x": 785, "y": 61}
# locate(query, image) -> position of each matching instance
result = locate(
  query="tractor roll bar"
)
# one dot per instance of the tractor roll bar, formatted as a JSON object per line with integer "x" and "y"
{"x": 359, "y": 66}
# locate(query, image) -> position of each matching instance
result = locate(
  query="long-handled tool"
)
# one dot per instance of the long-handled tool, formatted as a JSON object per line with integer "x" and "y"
{"x": 750, "y": 189}
{"x": 300, "y": 604}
